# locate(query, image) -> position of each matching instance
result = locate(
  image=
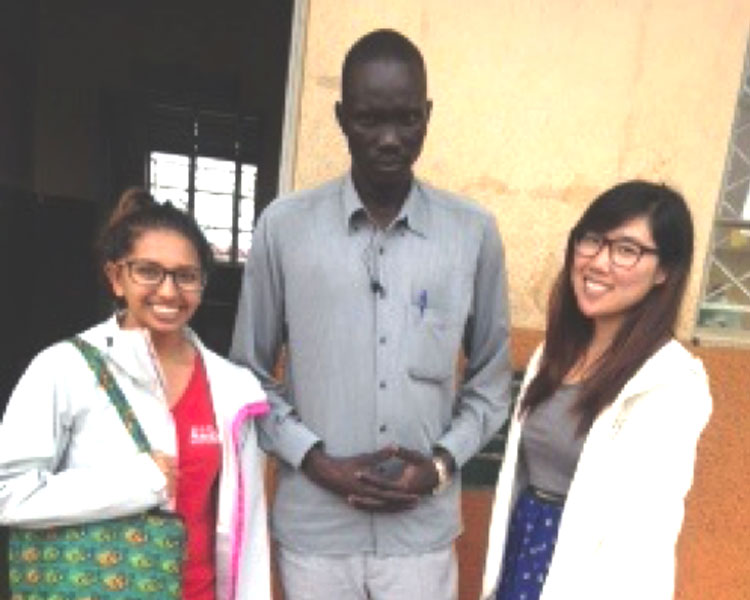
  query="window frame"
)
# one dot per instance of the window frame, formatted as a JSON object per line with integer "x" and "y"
{"x": 243, "y": 149}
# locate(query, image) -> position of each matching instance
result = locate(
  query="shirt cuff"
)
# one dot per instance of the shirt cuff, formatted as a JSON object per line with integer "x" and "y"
{"x": 295, "y": 444}
{"x": 460, "y": 451}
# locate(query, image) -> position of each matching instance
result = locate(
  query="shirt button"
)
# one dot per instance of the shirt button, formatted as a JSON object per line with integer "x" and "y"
{"x": 382, "y": 339}
{"x": 382, "y": 385}
{"x": 383, "y": 428}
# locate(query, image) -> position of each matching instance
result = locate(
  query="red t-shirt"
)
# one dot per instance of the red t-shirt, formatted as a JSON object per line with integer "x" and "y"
{"x": 199, "y": 461}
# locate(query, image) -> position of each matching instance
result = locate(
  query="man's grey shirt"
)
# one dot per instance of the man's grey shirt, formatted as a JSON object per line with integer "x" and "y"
{"x": 373, "y": 322}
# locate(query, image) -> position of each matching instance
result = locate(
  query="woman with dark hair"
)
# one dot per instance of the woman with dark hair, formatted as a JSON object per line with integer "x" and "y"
{"x": 68, "y": 457}
{"x": 601, "y": 447}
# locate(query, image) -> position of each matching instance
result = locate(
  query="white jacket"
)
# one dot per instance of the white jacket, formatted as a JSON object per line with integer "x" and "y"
{"x": 625, "y": 505}
{"x": 65, "y": 456}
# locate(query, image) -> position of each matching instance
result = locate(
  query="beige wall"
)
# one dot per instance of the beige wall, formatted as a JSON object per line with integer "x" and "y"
{"x": 539, "y": 105}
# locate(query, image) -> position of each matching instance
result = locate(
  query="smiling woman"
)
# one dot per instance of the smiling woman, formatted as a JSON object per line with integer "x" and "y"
{"x": 149, "y": 252}
{"x": 200, "y": 457}
{"x": 607, "y": 284}
{"x": 601, "y": 447}
{"x": 160, "y": 282}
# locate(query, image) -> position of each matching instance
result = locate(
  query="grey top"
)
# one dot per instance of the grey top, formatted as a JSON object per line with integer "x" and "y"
{"x": 366, "y": 369}
{"x": 549, "y": 446}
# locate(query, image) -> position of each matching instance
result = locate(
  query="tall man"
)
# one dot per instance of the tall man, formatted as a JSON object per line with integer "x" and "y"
{"x": 374, "y": 282}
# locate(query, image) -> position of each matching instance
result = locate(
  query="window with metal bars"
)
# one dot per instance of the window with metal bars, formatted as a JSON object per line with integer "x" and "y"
{"x": 724, "y": 311}
{"x": 205, "y": 162}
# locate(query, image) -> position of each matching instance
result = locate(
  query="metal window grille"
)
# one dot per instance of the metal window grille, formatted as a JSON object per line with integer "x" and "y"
{"x": 205, "y": 162}
{"x": 724, "y": 310}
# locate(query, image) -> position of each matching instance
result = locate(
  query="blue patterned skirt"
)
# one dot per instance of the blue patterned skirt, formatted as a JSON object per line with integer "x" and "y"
{"x": 532, "y": 534}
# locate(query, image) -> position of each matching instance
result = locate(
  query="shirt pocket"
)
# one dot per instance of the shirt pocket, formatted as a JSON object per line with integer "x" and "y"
{"x": 433, "y": 341}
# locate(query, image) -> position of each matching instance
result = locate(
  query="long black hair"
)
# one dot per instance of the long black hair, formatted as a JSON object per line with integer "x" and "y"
{"x": 647, "y": 325}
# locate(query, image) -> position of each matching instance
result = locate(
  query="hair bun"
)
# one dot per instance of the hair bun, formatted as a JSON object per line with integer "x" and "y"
{"x": 132, "y": 200}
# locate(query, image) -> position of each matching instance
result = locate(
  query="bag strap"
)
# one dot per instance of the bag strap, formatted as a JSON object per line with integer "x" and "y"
{"x": 104, "y": 376}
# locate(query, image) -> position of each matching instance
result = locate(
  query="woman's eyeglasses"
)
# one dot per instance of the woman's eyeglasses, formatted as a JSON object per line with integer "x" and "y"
{"x": 152, "y": 274}
{"x": 623, "y": 252}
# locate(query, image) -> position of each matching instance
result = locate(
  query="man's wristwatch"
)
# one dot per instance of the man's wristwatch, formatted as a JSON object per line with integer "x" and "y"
{"x": 444, "y": 476}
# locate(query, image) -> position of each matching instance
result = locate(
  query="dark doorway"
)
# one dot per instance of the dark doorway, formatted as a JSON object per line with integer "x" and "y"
{"x": 86, "y": 88}
{"x": 87, "y": 95}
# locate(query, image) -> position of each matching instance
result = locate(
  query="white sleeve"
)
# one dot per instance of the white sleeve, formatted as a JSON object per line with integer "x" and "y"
{"x": 254, "y": 577}
{"x": 652, "y": 475}
{"x": 38, "y": 426}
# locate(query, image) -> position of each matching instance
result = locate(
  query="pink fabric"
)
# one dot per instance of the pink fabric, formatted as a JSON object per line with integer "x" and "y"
{"x": 238, "y": 515}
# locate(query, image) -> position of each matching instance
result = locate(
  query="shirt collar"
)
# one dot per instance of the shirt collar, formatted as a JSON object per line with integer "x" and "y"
{"x": 414, "y": 214}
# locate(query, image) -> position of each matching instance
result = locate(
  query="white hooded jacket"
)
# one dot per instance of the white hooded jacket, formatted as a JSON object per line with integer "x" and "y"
{"x": 625, "y": 505}
{"x": 66, "y": 457}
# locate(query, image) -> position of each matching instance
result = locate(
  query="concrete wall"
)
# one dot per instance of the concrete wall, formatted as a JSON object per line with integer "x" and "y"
{"x": 715, "y": 543}
{"x": 540, "y": 105}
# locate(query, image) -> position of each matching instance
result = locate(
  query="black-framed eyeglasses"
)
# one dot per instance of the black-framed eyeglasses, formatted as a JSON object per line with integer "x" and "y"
{"x": 623, "y": 252}
{"x": 152, "y": 274}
